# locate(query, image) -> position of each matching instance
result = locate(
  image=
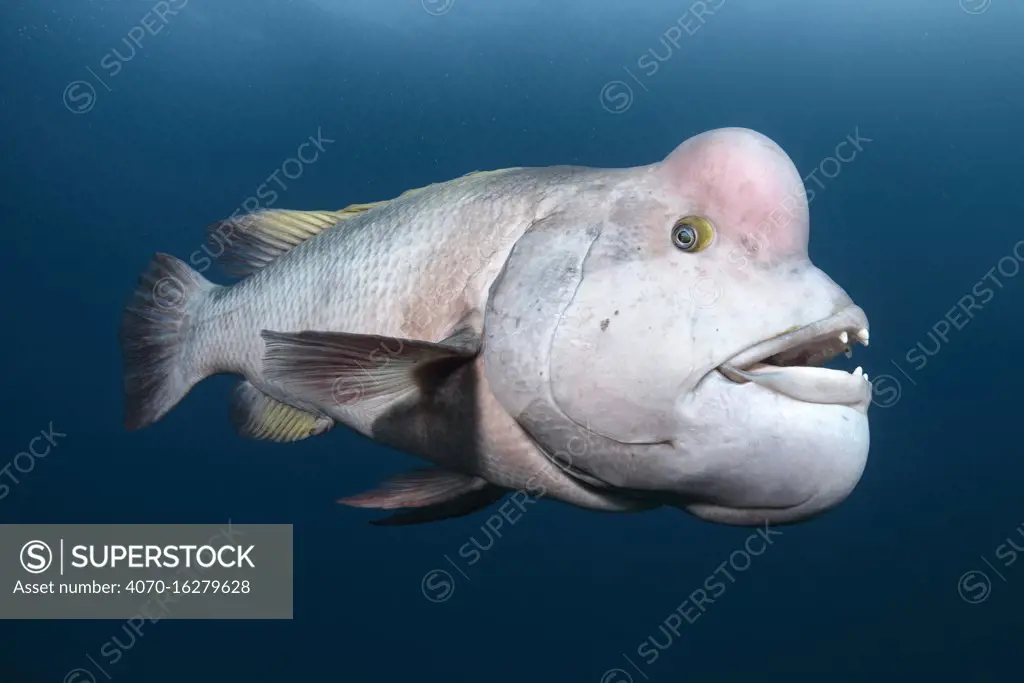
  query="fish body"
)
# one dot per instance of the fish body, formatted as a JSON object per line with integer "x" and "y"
{"x": 515, "y": 329}
{"x": 411, "y": 268}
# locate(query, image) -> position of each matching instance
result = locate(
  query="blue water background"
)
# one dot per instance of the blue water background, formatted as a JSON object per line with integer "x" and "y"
{"x": 214, "y": 102}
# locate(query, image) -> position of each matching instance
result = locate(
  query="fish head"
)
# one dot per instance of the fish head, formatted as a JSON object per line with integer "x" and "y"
{"x": 671, "y": 345}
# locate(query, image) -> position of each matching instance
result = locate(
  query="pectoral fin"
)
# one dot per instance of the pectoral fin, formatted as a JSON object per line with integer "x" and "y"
{"x": 337, "y": 368}
{"x": 434, "y": 495}
{"x": 258, "y": 416}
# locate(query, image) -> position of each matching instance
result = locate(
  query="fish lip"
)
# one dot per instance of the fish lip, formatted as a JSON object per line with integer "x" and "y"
{"x": 849, "y": 319}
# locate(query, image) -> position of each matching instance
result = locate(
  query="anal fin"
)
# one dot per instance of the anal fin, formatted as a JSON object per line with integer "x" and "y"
{"x": 258, "y": 416}
{"x": 433, "y": 495}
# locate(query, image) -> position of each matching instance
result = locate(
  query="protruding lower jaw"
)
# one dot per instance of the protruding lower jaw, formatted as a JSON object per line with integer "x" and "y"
{"x": 809, "y": 384}
{"x": 791, "y": 362}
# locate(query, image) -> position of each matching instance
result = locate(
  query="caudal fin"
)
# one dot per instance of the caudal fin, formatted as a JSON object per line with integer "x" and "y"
{"x": 154, "y": 334}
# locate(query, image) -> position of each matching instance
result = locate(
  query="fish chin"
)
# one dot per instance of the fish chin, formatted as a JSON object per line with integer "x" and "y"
{"x": 759, "y": 455}
{"x": 773, "y": 436}
{"x": 744, "y": 454}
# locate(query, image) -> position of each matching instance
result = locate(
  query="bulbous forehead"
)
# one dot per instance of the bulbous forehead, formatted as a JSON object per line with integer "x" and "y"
{"x": 745, "y": 184}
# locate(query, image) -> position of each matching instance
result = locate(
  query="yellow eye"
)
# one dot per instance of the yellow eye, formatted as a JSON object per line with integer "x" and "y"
{"x": 693, "y": 233}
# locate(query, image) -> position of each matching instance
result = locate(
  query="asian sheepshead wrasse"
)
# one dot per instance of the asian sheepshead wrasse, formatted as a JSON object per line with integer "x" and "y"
{"x": 617, "y": 339}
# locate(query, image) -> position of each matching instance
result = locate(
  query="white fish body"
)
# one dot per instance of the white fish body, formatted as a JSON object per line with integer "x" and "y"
{"x": 522, "y": 330}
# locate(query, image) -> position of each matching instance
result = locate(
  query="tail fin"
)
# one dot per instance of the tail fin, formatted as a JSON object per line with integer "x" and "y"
{"x": 154, "y": 332}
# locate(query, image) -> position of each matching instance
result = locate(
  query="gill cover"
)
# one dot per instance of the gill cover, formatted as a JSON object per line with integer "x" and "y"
{"x": 528, "y": 302}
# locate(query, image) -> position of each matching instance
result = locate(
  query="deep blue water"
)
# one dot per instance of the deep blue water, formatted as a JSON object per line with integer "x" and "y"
{"x": 162, "y": 137}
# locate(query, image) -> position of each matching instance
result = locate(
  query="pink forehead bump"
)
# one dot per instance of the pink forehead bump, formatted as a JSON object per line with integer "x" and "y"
{"x": 745, "y": 184}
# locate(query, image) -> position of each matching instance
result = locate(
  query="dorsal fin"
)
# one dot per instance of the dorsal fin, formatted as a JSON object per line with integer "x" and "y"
{"x": 246, "y": 243}
{"x": 249, "y": 242}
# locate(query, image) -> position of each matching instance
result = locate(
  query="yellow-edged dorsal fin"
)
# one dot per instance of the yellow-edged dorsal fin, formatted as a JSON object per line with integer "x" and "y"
{"x": 246, "y": 243}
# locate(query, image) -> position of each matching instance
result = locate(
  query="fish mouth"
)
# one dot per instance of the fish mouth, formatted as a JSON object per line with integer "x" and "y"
{"x": 790, "y": 363}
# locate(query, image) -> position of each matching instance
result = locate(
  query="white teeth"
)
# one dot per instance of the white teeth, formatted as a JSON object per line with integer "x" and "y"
{"x": 862, "y": 334}
{"x": 844, "y": 338}
{"x": 865, "y": 377}
{"x": 858, "y": 372}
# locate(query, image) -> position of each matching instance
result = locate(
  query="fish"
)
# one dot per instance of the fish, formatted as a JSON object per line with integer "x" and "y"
{"x": 616, "y": 339}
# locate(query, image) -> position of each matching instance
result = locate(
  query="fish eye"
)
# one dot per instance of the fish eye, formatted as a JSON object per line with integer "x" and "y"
{"x": 692, "y": 233}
